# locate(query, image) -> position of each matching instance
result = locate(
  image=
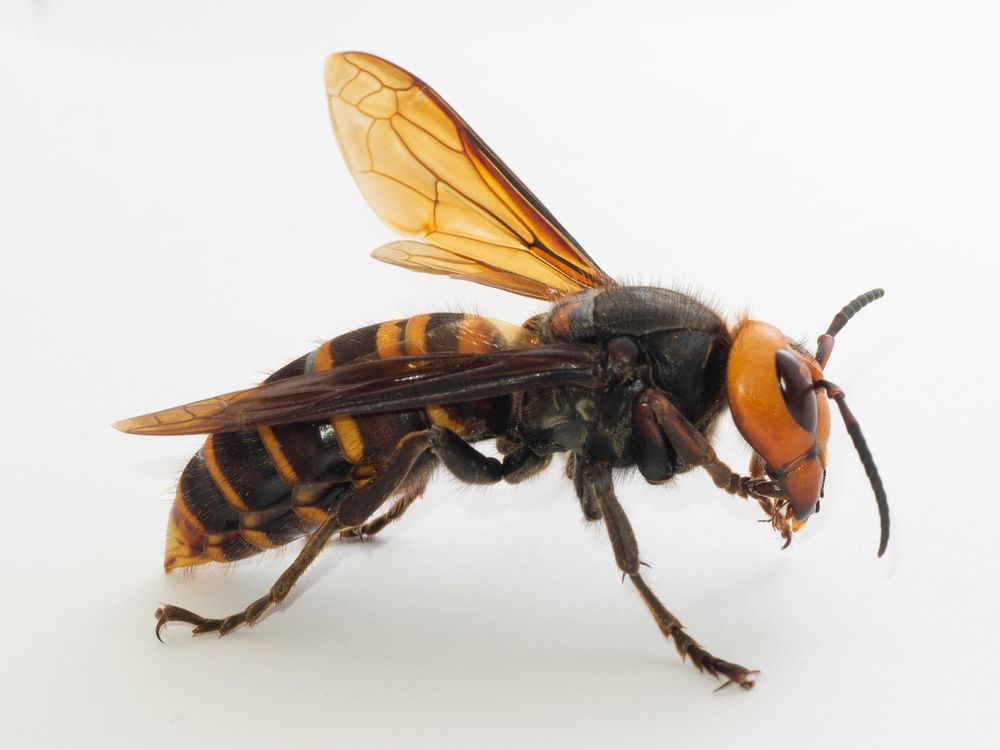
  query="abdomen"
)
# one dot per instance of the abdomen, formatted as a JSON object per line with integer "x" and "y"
{"x": 244, "y": 492}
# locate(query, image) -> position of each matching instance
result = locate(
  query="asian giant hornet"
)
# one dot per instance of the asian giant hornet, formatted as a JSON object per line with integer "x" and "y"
{"x": 614, "y": 376}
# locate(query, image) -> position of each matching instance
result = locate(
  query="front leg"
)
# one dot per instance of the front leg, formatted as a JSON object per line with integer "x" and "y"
{"x": 654, "y": 410}
{"x": 598, "y": 487}
{"x": 660, "y": 419}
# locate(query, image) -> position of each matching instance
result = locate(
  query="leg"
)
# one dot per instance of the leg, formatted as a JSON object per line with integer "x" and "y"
{"x": 520, "y": 460}
{"x": 378, "y": 523}
{"x": 575, "y": 471}
{"x": 374, "y": 526}
{"x": 462, "y": 459}
{"x": 694, "y": 450}
{"x": 692, "y": 447}
{"x": 313, "y": 546}
{"x": 398, "y": 508}
{"x": 598, "y": 485}
{"x": 469, "y": 465}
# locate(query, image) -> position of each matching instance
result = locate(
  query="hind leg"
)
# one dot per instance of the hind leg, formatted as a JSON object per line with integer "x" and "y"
{"x": 277, "y": 593}
{"x": 464, "y": 461}
{"x": 395, "y": 512}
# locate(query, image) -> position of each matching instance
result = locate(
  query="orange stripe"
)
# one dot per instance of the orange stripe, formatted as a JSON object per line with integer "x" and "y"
{"x": 349, "y": 437}
{"x": 387, "y": 340}
{"x": 215, "y": 554}
{"x": 344, "y": 426}
{"x": 185, "y": 538}
{"x": 258, "y": 539}
{"x": 416, "y": 334}
{"x": 181, "y": 507}
{"x": 324, "y": 358}
{"x": 311, "y": 515}
{"x": 273, "y": 447}
{"x": 515, "y": 335}
{"x": 228, "y": 491}
{"x": 439, "y": 415}
{"x": 475, "y": 335}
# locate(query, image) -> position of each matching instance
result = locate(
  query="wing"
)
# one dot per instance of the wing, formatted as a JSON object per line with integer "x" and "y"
{"x": 427, "y": 174}
{"x": 378, "y": 386}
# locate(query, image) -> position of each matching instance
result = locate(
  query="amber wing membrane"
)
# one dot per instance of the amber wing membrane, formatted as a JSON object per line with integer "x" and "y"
{"x": 428, "y": 175}
{"x": 380, "y": 386}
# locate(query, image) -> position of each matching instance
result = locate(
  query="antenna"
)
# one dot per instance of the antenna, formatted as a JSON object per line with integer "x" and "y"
{"x": 824, "y": 346}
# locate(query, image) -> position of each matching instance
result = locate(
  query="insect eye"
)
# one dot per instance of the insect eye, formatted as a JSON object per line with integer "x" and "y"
{"x": 796, "y": 389}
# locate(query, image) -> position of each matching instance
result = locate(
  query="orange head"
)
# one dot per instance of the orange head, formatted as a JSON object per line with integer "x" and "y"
{"x": 779, "y": 401}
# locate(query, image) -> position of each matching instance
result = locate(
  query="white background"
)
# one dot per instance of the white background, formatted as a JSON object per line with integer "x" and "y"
{"x": 175, "y": 220}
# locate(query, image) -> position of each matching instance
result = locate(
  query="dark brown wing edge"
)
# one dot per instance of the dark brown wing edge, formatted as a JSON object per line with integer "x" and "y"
{"x": 583, "y": 269}
{"x": 379, "y": 386}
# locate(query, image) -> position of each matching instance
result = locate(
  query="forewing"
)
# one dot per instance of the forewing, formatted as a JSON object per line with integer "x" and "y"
{"x": 427, "y": 174}
{"x": 378, "y": 386}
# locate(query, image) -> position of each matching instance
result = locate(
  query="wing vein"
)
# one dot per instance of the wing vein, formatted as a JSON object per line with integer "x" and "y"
{"x": 400, "y": 114}
{"x": 459, "y": 189}
{"x": 503, "y": 225}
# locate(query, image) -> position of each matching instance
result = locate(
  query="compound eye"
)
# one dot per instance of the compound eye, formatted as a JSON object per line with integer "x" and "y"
{"x": 796, "y": 389}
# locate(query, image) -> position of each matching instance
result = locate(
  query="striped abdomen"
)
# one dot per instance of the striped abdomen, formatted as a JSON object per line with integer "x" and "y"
{"x": 248, "y": 491}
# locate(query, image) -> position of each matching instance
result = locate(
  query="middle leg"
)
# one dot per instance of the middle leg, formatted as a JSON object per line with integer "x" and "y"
{"x": 598, "y": 487}
{"x": 520, "y": 462}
